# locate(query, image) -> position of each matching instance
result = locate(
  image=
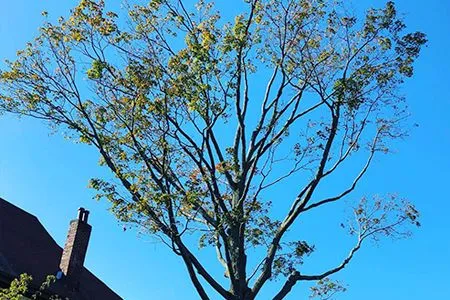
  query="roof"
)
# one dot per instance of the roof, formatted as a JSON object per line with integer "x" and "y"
{"x": 27, "y": 247}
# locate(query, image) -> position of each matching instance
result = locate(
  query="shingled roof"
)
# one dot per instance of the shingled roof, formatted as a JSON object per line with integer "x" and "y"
{"x": 27, "y": 247}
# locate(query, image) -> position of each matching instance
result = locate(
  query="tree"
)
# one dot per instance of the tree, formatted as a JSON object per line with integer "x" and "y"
{"x": 199, "y": 118}
{"x": 17, "y": 289}
{"x": 21, "y": 287}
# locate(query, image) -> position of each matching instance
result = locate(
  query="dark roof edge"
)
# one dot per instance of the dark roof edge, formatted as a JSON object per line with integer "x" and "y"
{"x": 21, "y": 209}
{"x": 33, "y": 216}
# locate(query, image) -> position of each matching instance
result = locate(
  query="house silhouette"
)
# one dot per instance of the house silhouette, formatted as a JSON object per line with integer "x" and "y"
{"x": 27, "y": 247}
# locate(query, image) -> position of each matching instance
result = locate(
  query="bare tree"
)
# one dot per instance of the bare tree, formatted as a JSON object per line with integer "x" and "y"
{"x": 303, "y": 85}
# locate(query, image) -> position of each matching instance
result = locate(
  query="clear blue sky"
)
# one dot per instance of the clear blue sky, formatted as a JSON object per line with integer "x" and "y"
{"x": 47, "y": 176}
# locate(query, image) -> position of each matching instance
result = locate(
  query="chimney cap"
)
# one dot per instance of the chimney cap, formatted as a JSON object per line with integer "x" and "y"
{"x": 83, "y": 214}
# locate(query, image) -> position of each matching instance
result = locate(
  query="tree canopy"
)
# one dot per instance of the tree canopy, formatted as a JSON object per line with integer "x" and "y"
{"x": 199, "y": 115}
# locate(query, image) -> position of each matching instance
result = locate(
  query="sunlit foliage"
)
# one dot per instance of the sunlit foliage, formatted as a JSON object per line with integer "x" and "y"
{"x": 198, "y": 115}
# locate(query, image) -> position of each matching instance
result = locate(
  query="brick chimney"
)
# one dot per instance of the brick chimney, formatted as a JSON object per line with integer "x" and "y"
{"x": 74, "y": 252}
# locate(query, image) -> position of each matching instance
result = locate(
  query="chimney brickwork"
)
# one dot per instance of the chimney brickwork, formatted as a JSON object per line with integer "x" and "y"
{"x": 75, "y": 249}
